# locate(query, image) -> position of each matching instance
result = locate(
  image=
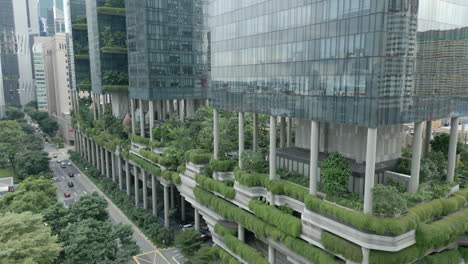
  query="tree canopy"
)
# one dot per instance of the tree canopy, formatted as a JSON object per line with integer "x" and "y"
{"x": 25, "y": 239}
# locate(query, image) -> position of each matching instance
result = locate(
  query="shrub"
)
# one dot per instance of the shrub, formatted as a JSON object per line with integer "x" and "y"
{"x": 398, "y": 185}
{"x": 139, "y": 139}
{"x": 253, "y": 162}
{"x": 188, "y": 242}
{"x": 197, "y": 156}
{"x": 341, "y": 246}
{"x": 223, "y": 230}
{"x": 225, "y": 257}
{"x": 388, "y": 200}
{"x": 251, "y": 179}
{"x": 463, "y": 252}
{"x": 286, "y": 188}
{"x": 444, "y": 231}
{"x": 407, "y": 255}
{"x": 223, "y": 165}
{"x": 287, "y": 223}
{"x": 447, "y": 257}
{"x": 215, "y": 186}
{"x": 335, "y": 173}
{"x": 156, "y": 158}
{"x": 243, "y": 250}
{"x": 260, "y": 227}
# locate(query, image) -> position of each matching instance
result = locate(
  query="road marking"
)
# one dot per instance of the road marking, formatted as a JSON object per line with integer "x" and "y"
{"x": 174, "y": 258}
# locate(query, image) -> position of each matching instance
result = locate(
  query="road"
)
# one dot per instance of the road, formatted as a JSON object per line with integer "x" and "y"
{"x": 82, "y": 186}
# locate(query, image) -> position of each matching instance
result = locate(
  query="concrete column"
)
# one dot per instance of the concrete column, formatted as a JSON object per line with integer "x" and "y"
{"x": 89, "y": 150}
{"x": 119, "y": 168}
{"x": 95, "y": 106}
{"x": 272, "y": 158}
{"x": 166, "y": 206}
{"x": 96, "y": 154}
{"x": 142, "y": 119}
{"x": 241, "y": 138}
{"x": 103, "y": 168}
{"x": 216, "y": 134}
{"x": 93, "y": 154}
{"x": 114, "y": 175}
{"x": 365, "y": 255}
{"x": 427, "y": 141}
{"x": 145, "y": 190}
{"x": 182, "y": 208}
{"x": 370, "y": 169}
{"x": 107, "y": 163}
{"x": 151, "y": 118}
{"x": 132, "y": 109}
{"x": 127, "y": 177}
{"x": 271, "y": 255}
{"x": 282, "y": 132}
{"x": 416, "y": 158}
{"x": 197, "y": 220}
{"x": 240, "y": 232}
{"x": 154, "y": 195}
{"x": 314, "y": 153}
{"x": 182, "y": 110}
{"x": 289, "y": 133}
{"x": 452, "y": 153}
{"x": 255, "y": 133}
{"x": 136, "y": 183}
{"x": 172, "y": 197}
{"x": 99, "y": 105}
{"x": 462, "y": 132}
{"x": 163, "y": 109}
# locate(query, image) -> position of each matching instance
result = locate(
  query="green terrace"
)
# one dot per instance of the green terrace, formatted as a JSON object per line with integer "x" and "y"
{"x": 80, "y": 26}
{"x": 113, "y": 11}
{"x": 438, "y": 216}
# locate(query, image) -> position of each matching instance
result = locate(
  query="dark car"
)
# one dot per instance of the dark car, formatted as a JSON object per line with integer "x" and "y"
{"x": 70, "y": 184}
{"x": 66, "y": 194}
{"x": 71, "y": 175}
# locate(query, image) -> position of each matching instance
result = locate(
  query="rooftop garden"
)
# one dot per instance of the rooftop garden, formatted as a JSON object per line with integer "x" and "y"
{"x": 114, "y": 81}
{"x": 80, "y": 23}
{"x": 84, "y": 85}
{"x": 111, "y": 7}
{"x": 113, "y": 42}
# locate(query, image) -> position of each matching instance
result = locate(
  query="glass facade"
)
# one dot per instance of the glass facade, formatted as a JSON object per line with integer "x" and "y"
{"x": 342, "y": 61}
{"x": 81, "y": 73}
{"x": 168, "y": 47}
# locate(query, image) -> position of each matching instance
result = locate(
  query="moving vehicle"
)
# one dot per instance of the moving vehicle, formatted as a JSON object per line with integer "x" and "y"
{"x": 63, "y": 165}
{"x": 66, "y": 194}
{"x": 59, "y": 161}
{"x": 55, "y": 155}
{"x": 71, "y": 175}
{"x": 70, "y": 184}
{"x": 187, "y": 227}
{"x": 69, "y": 163}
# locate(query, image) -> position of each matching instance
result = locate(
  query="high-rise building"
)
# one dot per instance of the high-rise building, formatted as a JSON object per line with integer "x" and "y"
{"x": 9, "y": 72}
{"x": 58, "y": 84}
{"x": 108, "y": 55}
{"x": 39, "y": 61}
{"x": 331, "y": 75}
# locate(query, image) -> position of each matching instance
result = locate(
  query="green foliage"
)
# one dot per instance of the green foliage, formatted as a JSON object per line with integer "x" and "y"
{"x": 49, "y": 126}
{"x": 260, "y": 227}
{"x": 139, "y": 139}
{"x": 115, "y": 79}
{"x": 442, "y": 232}
{"x": 11, "y": 144}
{"x": 156, "y": 158}
{"x": 223, "y": 165}
{"x": 447, "y": 257}
{"x": 289, "y": 189}
{"x": 33, "y": 194}
{"x": 388, "y": 200}
{"x": 253, "y": 162}
{"x": 341, "y": 246}
{"x": 251, "y": 179}
{"x": 463, "y": 252}
{"x": 403, "y": 166}
{"x": 81, "y": 19}
{"x": 13, "y": 113}
{"x": 197, "y": 156}
{"x": 335, "y": 173}
{"x": 243, "y": 250}
{"x": 225, "y": 257}
{"x": 287, "y": 223}
{"x": 90, "y": 206}
{"x": 32, "y": 163}
{"x": 25, "y": 239}
{"x": 188, "y": 242}
{"x": 407, "y": 255}
{"x": 440, "y": 143}
{"x": 395, "y": 226}
{"x": 203, "y": 256}
{"x": 145, "y": 222}
{"x": 115, "y": 88}
{"x": 164, "y": 132}
{"x": 115, "y": 3}
{"x": 223, "y": 230}
{"x": 93, "y": 241}
{"x": 398, "y": 185}
{"x": 293, "y": 177}
{"x": 215, "y": 186}
{"x": 433, "y": 166}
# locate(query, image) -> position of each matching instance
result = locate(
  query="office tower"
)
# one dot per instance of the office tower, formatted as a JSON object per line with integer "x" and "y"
{"x": 331, "y": 76}
{"x": 168, "y": 62}
{"x": 108, "y": 55}
{"x": 9, "y": 72}
{"x": 39, "y": 61}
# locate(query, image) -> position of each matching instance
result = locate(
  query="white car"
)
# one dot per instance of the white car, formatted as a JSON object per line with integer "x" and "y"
{"x": 59, "y": 161}
{"x": 69, "y": 163}
{"x": 187, "y": 227}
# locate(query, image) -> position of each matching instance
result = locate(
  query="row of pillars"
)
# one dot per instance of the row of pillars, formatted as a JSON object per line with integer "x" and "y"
{"x": 159, "y": 110}
{"x": 110, "y": 165}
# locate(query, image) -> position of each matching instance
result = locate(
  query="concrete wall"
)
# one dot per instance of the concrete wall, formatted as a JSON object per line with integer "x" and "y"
{"x": 120, "y": 104}
{"x": 350, "y": 141}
